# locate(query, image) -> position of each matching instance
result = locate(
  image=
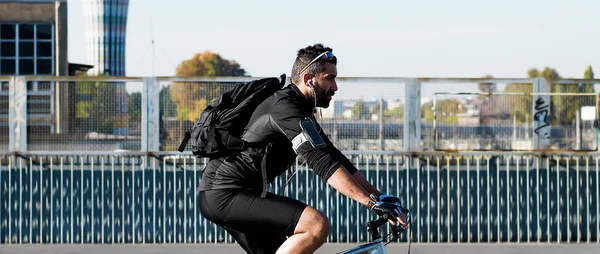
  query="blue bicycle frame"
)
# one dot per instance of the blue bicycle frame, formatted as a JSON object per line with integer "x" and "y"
{"x": 374, "y": 247}
{"x": 377, "y": 245}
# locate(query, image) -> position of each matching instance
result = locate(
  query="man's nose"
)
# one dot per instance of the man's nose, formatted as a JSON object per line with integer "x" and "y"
{"x": 334, "y": 86}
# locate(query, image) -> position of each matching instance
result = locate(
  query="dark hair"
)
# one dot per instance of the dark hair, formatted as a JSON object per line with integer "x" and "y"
{"x": 307, "y": 54}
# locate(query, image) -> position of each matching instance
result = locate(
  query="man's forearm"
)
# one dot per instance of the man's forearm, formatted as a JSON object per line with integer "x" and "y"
{"x": 345, "y": 183}
{"x": 360, "y": 179}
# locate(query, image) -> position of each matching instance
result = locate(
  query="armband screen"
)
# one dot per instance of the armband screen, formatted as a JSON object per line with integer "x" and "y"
{"x": 312, "y": 135}
{"x": 309, "y": 134}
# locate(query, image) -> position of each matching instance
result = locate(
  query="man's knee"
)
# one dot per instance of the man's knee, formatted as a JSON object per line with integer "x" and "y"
{"x": 314, "y": 223}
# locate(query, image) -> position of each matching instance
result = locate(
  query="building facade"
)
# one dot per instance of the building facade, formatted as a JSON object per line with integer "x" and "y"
{"x": 33, "y": 37}
{"x": 33, "y": 42}
{"x": 106, "y": 28}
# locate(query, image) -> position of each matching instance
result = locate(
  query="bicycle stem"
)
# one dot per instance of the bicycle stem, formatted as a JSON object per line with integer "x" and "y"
{"x": 373, "y": 227}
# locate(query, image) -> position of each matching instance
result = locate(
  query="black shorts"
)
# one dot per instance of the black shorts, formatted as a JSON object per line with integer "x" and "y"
{"x": 259, "y": 225}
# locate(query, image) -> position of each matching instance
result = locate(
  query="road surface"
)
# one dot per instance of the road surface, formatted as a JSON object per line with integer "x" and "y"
{"x": 424, "y": 248}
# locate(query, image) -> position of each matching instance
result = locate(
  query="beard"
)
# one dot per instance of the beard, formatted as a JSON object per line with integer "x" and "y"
{"x": 322, "y": 95}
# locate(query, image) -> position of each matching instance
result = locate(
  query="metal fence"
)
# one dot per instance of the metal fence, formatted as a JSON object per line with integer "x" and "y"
{"x": 366, "y": 114}
{"x": 462, "y": 197}
{"x": 498, "y": 122}
{"x": 512, "y": 114}
{"x": 51, "y": 191}
{"x": 353, "y": 119}
{"x": 4, "y": 87}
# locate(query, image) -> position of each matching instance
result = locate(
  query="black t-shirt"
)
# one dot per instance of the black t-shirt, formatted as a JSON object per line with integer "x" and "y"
{"x": 276, "y": 121}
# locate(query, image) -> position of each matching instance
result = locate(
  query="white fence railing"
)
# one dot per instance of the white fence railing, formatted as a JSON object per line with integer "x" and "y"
{"x": 453, "y": 197}
{"x": 40, "y": 113}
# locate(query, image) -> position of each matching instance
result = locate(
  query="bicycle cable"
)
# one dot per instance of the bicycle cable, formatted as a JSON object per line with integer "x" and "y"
{"x": 409, "y": 238}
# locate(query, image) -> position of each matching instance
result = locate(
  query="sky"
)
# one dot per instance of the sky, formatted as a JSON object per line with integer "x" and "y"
{"x": 397, "y": 38}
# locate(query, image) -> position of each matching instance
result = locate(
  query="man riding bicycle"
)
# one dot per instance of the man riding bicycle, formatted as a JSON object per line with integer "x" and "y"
{"x": 233, "y": 194}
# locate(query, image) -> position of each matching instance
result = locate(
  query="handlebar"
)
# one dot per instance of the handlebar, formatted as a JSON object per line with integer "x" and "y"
{"x": 373, "y": 226}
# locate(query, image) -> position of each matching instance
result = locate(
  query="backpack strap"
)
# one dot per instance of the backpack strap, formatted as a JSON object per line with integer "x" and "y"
{"x": 185, "y": 141}
{"x": 263, "y": 169}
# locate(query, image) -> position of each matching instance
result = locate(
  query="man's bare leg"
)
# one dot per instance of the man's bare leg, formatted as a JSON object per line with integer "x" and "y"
{"x": 310, "y": 233}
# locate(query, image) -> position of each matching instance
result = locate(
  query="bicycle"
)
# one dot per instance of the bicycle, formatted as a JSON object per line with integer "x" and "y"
{"x": 377, "y": 244}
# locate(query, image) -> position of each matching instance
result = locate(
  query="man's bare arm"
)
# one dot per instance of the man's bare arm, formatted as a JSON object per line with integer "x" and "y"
{"x": 342, "y": 181}
{"x": 364, "y": 183}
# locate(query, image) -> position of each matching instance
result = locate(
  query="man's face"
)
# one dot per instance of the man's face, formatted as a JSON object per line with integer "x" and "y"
{"x": 325, "y": 85}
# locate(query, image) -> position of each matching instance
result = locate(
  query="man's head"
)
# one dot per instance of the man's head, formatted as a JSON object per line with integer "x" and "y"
{"x": 314, "y": 72}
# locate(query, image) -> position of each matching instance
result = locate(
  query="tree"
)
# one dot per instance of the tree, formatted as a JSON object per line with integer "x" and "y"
{"x": 192, "y": 98}
{"x": 97, "y": 105}
{"x": 587, "y": 100}
{"x": 589, "y": 73}
{"x": 487, "y": 87}
{"x": 396, "y": 113}
{"x": 563, "y": 108}
{"x": 375, "y": 109}
{"x": 588, "y": 88}
{"x": 166, "y": 110}
{"x": 446, "y": 110}
{"x": 104, "y": 108}
{"x": 521, "y": 105}
{"x": 134, "y": 107}
{"x": 360, "y": 110}
{"x": 167, "y": 106}
{"x": 209, "y": 64}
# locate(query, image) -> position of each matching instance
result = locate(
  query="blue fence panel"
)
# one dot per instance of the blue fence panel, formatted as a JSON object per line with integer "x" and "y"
{"x": 136, "y": 199}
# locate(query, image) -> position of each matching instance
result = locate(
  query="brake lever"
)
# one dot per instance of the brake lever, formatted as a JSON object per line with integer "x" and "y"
{"x": 397, "y": 229}
{"x": 395, "y": 234}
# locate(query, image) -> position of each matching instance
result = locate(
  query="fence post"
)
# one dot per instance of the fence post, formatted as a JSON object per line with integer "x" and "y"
{"x": 412, "y": 116}
{"x": 596, "y": 123}
{"x": 17, "y": 116}
{"x": 150, "y": 116}
{"x": 380, "y": 121}
{"x": 541, "y": 115}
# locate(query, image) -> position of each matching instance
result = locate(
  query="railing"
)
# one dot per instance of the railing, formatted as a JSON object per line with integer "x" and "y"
{"x": 454, "y": 197}
{"x": 153, "y": 113}
{"x": 145, "y": 192}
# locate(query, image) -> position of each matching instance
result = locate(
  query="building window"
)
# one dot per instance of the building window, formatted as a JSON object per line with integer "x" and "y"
{"x": 40, "y": 95}
{"x": 26, "y": 49}
{"x": 4, "y": 98}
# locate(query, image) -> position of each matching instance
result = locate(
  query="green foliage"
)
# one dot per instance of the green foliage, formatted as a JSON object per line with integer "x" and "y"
{"x": 82, "y": 109}
{"x": 360, "y": 110}
{"x": 103, "y": 107}
{"x": 589, "y": 73}
{"x": 375, "y": 109}
{"x": 192, "y": 98}
{"x": 519, "y": 105}
{"x": 563, "y": 108}
{"x": 209, "y": 64}
{"x": 167, "y": 106}
{"x": 395, "y": 113}
{"x": 134, "y": 106}
{"x": 487, "y": 87}
{"x": 167, "y": 109}
{"x": 97, "y": 107}
{"x": 446, "y": 110}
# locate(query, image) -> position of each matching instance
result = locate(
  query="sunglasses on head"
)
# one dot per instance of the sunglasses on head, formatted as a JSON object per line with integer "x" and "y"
{"x": 325, "y": 55}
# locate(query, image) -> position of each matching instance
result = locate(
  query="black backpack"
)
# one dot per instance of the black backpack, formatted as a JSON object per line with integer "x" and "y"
{"x": 219, "y": 128}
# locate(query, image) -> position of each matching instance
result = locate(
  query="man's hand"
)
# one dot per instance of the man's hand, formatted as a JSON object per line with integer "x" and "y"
{"x": 389, "y": 205}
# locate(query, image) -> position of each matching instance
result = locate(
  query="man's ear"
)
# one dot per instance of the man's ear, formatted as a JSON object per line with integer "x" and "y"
{"x": 307, "y": 79}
